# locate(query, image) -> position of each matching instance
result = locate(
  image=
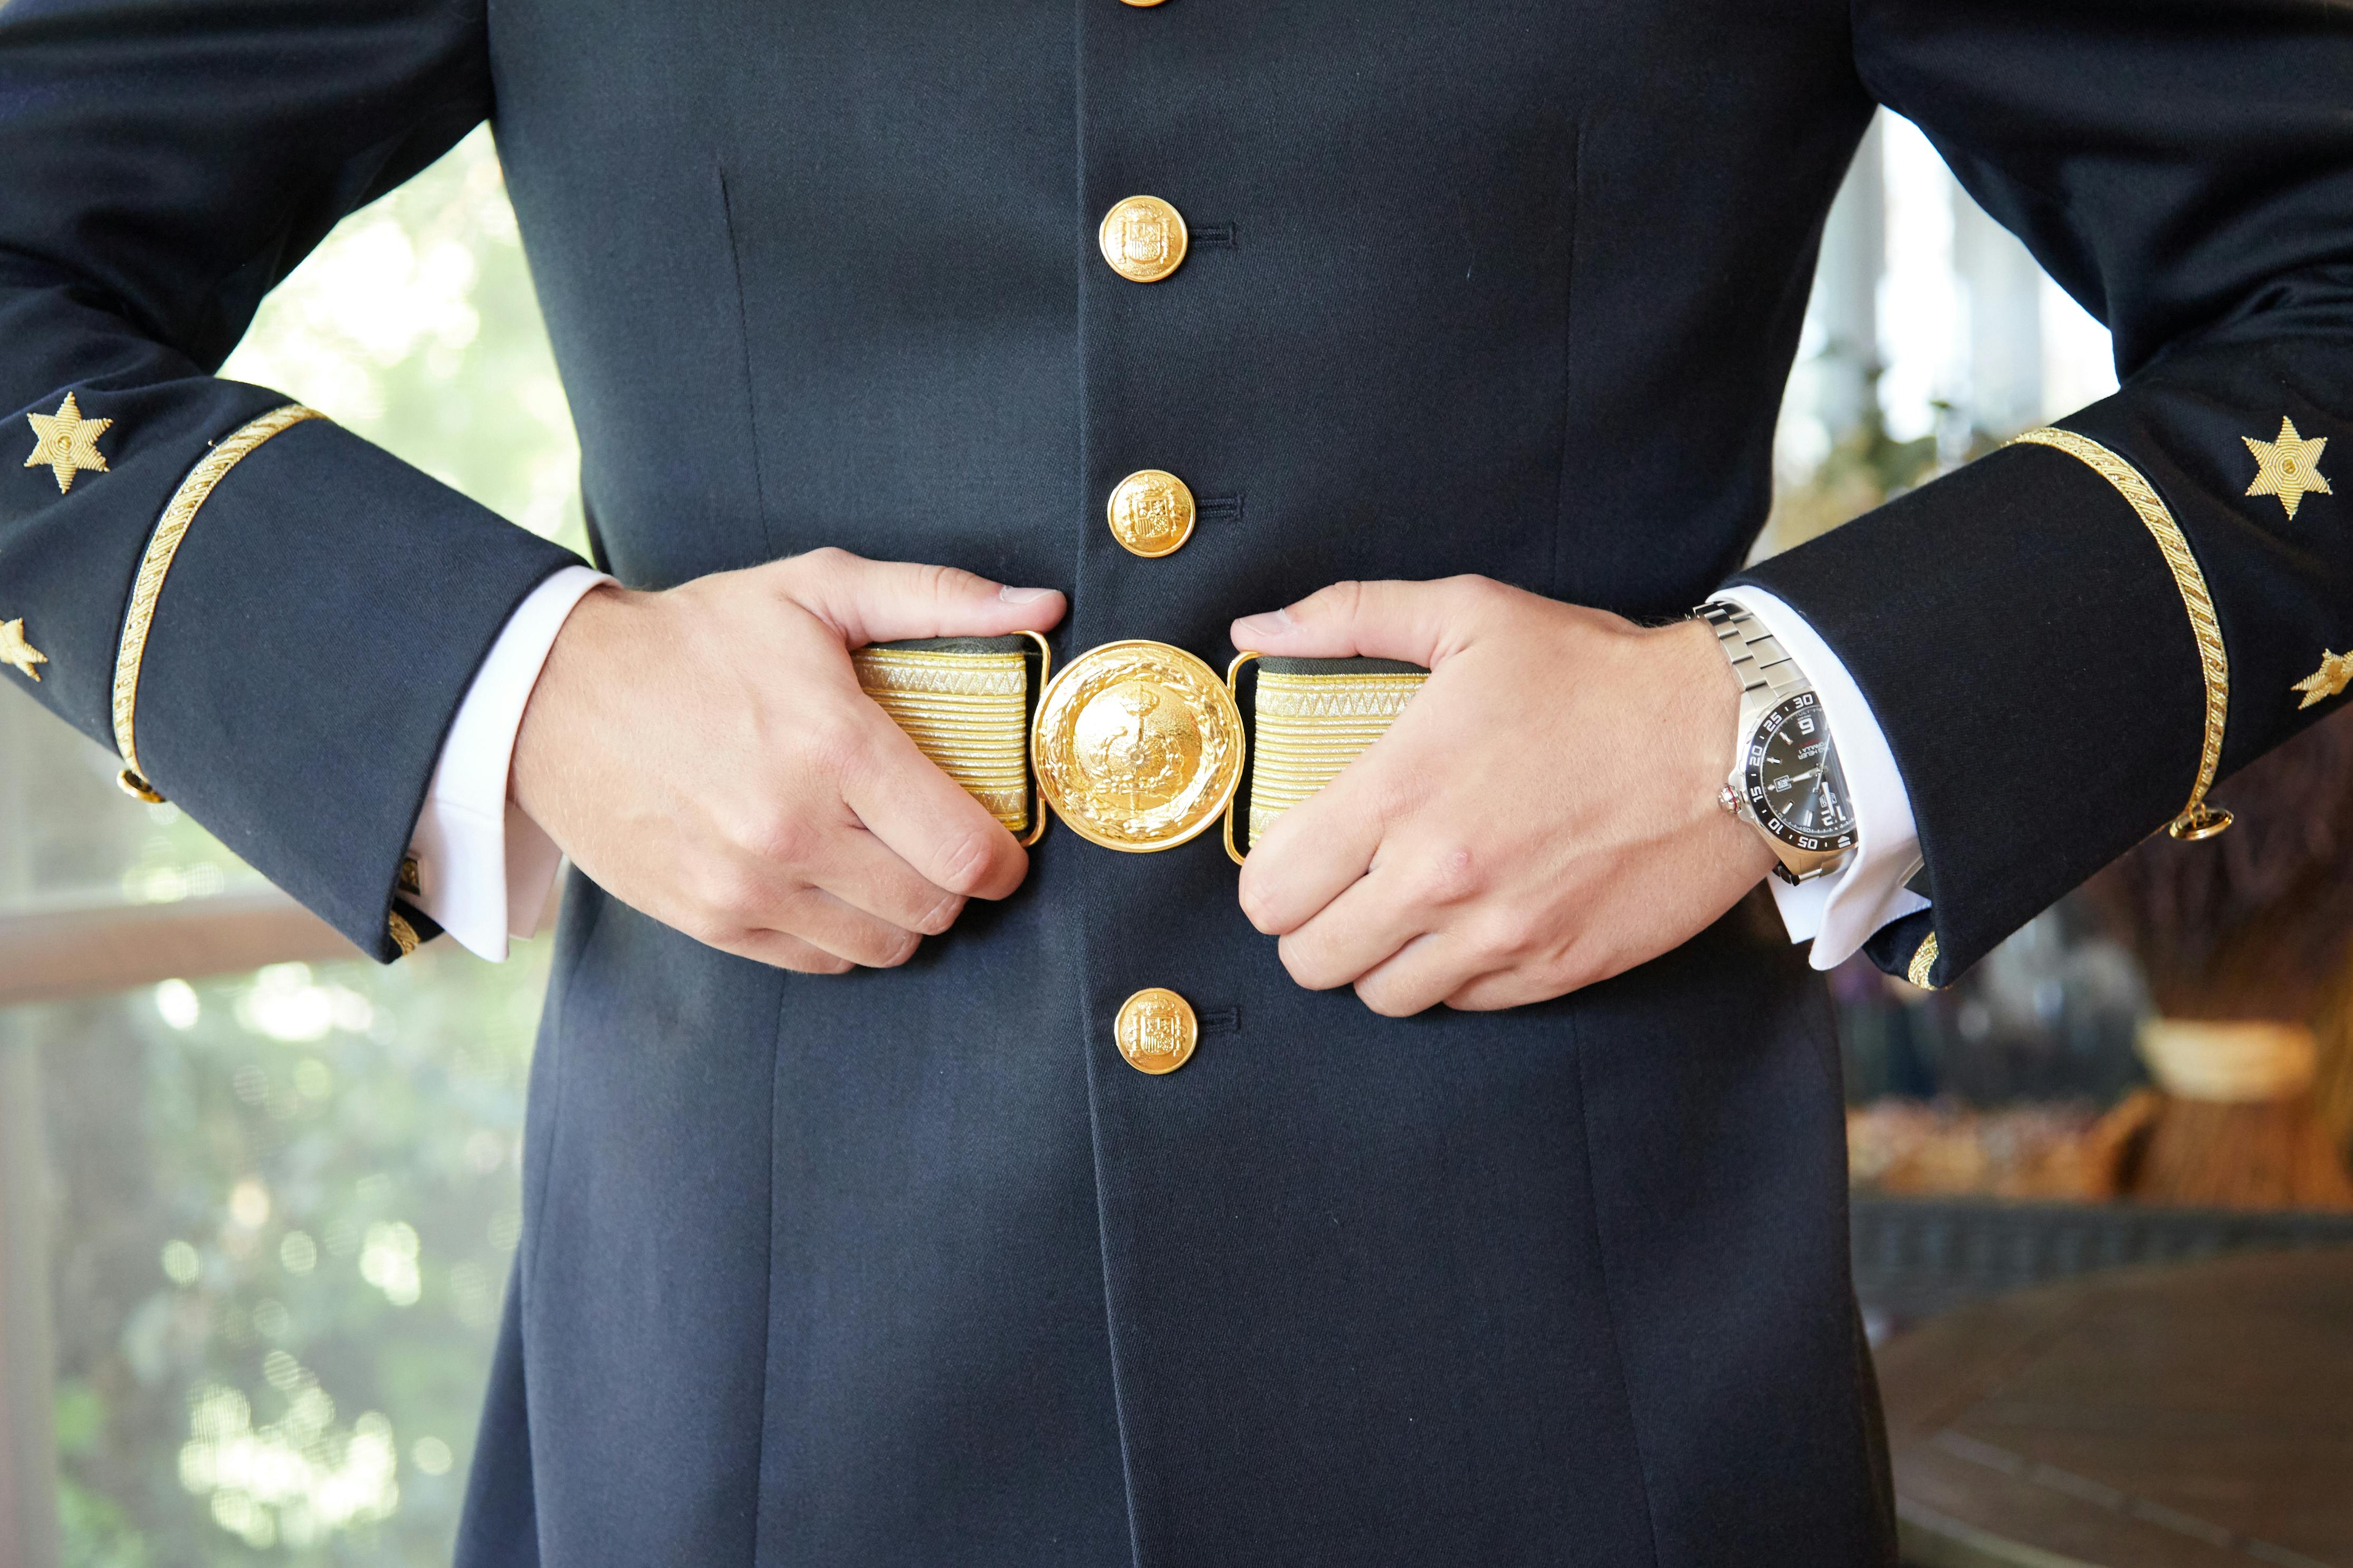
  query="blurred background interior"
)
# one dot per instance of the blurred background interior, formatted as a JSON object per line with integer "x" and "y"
{"x": 258, "y": 1198}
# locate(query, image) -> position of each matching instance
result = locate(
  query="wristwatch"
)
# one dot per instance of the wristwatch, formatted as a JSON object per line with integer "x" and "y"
{"x": 1786, "y": 780}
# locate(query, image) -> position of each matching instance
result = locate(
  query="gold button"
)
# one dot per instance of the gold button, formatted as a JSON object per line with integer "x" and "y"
{"x": 1139, "y": 2}
{"x": 1151, "y": 513}
{"x": 1138, "y": 745}
{"x": 1143, "y": 237}
{"x": 1156, "y": 1030}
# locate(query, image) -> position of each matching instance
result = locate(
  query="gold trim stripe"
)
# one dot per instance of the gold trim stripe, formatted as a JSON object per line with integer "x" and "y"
{"x": 156, "y": 563}
{"x": 1924, "y": 963}
{"x": 2196, "y": 820}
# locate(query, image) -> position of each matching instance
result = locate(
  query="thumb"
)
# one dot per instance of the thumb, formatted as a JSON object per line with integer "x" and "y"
{"x": 1420, "y": 623}
{"x": 882, "y": 601}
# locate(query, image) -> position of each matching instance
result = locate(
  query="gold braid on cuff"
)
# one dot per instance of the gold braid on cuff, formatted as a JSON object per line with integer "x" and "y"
{"x": 403, "y": 934}
{"x": 156, "y": 564}
{"x": 2197, "y": 819}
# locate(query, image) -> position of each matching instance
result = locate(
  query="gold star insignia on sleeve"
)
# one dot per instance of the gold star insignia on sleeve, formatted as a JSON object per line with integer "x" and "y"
{"x": 2335, "y": 672}
{"x": 2288, "y": 467}
{"x": 67, "y": 442}
{"x": 16, "y": 652}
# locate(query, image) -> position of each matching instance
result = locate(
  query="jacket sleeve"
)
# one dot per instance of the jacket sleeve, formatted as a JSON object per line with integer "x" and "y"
{"x": 2069, "y": 641}
{"x": 270, "y": 619}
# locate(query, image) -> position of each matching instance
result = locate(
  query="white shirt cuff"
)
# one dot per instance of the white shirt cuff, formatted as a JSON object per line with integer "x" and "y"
{"x": 1839, "y": 911}
{"x": 485, "y": 868}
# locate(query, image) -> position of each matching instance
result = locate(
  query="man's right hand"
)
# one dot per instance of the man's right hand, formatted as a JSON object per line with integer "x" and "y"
{"x": 705, "y": 755}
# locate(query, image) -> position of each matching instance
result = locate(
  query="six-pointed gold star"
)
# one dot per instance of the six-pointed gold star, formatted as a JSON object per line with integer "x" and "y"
{"x": 2335, "y": 672}
{"x": 2288, "y": 467}
{"x": 67, "y": 442}
{"x": 15, "y": 650}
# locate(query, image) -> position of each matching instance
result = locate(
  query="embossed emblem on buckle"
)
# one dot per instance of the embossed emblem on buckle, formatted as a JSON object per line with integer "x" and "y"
{"x": 1138, "y": 745}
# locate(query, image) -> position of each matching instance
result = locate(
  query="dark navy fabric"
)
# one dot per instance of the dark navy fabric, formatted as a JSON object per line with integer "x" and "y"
{"x": 908, "y": 1267}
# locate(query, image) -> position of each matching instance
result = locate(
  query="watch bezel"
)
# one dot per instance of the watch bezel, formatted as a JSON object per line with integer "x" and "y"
{"x": 1752, "y": 778}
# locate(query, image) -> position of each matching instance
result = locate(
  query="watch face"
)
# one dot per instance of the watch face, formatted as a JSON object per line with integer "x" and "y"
{"x": 1793, "y": 781}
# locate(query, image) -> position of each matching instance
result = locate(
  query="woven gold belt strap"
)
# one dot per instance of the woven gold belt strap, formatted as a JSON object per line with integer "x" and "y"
{"x": 966, "y": 703}
{"x": 1314, "y": 717}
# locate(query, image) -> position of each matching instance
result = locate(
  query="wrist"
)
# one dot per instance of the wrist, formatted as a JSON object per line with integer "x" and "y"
{"x": 1714, "y": 698}
{"x": 1706, "y": 712}
{"x": 569, "y": 678}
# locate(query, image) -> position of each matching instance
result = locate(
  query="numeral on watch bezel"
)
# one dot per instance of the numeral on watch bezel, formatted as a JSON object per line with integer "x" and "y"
{"x": 1753, "y": 780}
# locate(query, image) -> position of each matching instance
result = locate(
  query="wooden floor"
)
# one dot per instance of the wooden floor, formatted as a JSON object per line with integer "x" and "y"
{"x": 2193, "y": 1416}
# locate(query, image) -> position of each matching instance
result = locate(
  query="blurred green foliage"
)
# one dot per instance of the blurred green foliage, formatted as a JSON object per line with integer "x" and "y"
{"x": 291, "y": 1203}
{"x": 1864, "y": 468}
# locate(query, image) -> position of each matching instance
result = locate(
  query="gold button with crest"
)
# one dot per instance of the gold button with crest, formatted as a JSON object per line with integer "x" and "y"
{"x": 1138, "y": 745}
{"x": 1151, "y": 513}
{"x": 1143, "y": 237}
{"x": 1156, "y": 1030}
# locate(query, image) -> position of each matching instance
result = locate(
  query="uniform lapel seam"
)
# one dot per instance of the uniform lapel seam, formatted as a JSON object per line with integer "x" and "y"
{"x": 551, "y": 1038}
{"x": 1089, "y": 1050}
{"x": 1567, "y": 350}
{"x": 1609, "y": 1306}
{"x": 744, "y": 350}
{"x": 526, "y": 1288}
{"x": 768, "y": 1283}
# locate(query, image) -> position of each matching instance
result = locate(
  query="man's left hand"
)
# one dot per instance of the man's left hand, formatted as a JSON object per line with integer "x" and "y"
{"x": 1541, "y": 816}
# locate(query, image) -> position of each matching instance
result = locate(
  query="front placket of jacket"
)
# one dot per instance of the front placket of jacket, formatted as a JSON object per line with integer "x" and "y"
{"x": 1151, "y": 357}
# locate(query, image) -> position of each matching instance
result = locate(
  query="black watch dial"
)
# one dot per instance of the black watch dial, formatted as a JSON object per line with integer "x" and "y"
{"x": 1794, "y": 782}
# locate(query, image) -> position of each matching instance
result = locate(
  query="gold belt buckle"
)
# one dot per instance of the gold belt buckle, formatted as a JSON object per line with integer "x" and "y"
{"x": 1137, "y": 744}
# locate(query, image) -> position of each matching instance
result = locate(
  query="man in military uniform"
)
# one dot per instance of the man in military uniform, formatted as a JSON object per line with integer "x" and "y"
{"x": 1481, "y": 1197}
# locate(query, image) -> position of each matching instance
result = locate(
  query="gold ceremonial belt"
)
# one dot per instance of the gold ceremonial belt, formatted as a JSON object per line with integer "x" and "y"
{"x": 1137, "y": 746}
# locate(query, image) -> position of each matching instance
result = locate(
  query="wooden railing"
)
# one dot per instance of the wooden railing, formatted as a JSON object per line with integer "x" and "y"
{"x": 55, "y": 953}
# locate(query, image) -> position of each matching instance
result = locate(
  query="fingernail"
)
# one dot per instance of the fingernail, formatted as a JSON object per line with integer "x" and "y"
{"x": 1013, "y": 596}
{"x": 1268, "y": 624}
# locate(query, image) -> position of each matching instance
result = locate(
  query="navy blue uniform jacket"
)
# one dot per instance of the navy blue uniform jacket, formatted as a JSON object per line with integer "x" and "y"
{"x": 908, "y": 1266}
